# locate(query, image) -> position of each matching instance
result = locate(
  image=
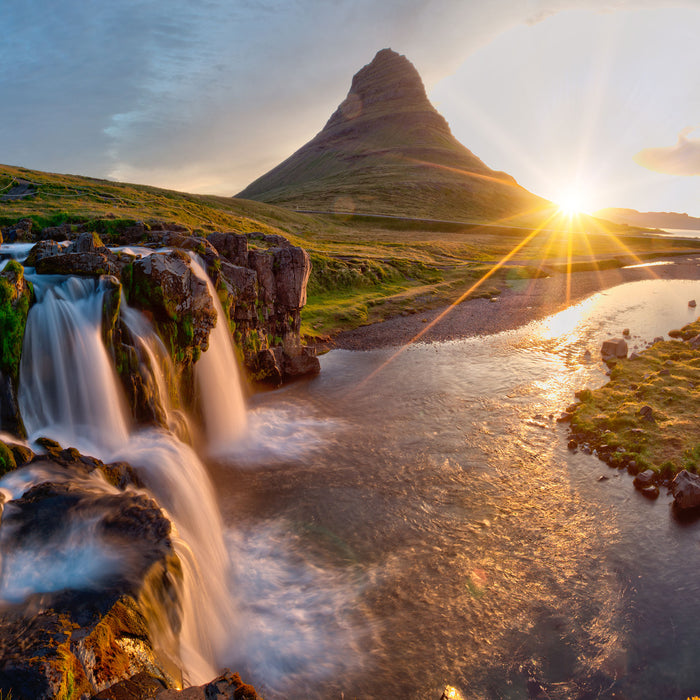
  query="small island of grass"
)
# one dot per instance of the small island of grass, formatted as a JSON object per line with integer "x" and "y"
{"x": 645, "y": 417}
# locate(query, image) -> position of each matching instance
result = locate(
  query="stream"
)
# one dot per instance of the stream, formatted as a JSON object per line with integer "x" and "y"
{"x": 406, "y": 524}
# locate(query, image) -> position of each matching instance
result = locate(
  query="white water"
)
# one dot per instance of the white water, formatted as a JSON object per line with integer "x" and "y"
{"x": 68, "y": 387}
{"x": 69, "y": 391}
{"x": 218, "y": 381}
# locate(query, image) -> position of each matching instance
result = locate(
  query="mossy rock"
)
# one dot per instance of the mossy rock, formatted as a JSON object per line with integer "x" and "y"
{"x": 7, "y": 459}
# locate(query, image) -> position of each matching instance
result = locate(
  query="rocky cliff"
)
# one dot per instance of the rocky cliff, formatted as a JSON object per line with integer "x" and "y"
{"x": 259, "y": 279}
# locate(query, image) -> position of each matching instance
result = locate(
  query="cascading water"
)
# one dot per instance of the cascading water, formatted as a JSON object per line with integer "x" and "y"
{"x": 69, "y": 391}
{"x": 219, "y": 385}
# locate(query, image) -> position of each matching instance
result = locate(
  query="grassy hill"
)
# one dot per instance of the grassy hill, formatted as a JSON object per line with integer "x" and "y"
{"x": 364, "y": 268}
{"x": 386, "y": 150}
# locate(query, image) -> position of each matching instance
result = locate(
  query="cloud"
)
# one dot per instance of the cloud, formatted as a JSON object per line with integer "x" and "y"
{"x": 681, "y": 159}
{"x": 173, "y": 90}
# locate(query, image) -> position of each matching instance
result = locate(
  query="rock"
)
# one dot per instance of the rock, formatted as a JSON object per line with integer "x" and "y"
{"x": 626, "y": 331}
{"x": 634, "y": 356}
{"x": 78, "y": 641}
{"x": 88, "y": 263}
{"x": 228, "y": 686}
{"x": 301, "y": 364}
{"x": 43, "y": 249}
{"x": 686, "y": 490}
{"x": 15, "y": 299}
{"x": 21, "y": 232}
{"x": 617, "y": 347}
{"x": 572, "y": 445}
{"x": 292, "y": 267}
{"x": 692, "y": 304}
{"x": 644, "y": 479}
{"x": 165, "y": 286}
{"x": 651, "y": 492}
{"x": 142, "y": 685}
{"x": 659, "y": 339}
{"x": 232, "y": 246}
{"x": 646, "y": 413}
{"x": 694, "y": 342}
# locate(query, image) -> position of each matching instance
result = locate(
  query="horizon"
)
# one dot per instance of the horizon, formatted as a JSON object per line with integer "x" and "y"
{"x": 612, "y": 122}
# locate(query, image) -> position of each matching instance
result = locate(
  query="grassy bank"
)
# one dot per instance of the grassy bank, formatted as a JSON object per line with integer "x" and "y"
{"x": 365, "y": 269}
{"x": 645, "y": 417}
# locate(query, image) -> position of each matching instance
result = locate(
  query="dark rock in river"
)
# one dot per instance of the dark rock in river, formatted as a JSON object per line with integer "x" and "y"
{"x": 644, "y": 479}
{"x": 74, "y": 640}
{"x": 686, "y": 490}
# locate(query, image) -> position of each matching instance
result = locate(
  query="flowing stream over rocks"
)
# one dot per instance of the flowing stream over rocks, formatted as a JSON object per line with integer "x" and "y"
{"x": 400, "y": 523}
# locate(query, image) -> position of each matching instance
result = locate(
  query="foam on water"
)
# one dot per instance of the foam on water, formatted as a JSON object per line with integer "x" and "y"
{"x": 280, "y": 433}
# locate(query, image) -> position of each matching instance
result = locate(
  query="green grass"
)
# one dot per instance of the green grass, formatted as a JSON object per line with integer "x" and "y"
{"x": 666, "y": 378}
{"x": 365, "y": 268}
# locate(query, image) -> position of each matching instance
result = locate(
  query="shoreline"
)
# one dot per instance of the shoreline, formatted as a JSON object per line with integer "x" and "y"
{"x": 531, "y": 300}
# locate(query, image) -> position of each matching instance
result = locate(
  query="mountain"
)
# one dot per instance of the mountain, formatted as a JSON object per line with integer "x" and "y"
{"x": 386, "y": 150}
{"x": 649, "y": 219}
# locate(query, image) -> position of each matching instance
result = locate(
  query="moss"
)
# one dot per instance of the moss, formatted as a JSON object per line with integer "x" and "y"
{"x": 13, "y": 318}
{"x": 7, "y": 460}
{"x": 647, "y": 409}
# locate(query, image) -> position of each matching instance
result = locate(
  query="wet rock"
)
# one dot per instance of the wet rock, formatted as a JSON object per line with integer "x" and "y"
{"x": 617, "y": 347}
{"x": 626, "y": 331}
{"x": 572, "y": 445}
{"x": 43, "y": 249}
{"x": 692, "y": 304}
{"x": 651, "y": 492}
{"x": 694, "y": 342}
{"x": 74, "y": 640}
{"x": 644, "y": 479}
{"x": 686, "y": 490}
{"x": 659, "y": 339}
{"x": 15, "y": 299}
{"x": 141, "y": 686}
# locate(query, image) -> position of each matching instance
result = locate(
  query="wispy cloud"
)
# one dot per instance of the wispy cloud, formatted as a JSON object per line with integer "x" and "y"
{"x": 681, "y": 159}
{"x": 207, "y": 96}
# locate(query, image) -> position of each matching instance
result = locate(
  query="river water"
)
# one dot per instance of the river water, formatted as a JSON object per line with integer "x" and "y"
{"x": 406, "y": 522}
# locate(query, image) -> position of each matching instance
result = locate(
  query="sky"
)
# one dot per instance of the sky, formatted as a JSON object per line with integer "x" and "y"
{"x": 595, "y": 101}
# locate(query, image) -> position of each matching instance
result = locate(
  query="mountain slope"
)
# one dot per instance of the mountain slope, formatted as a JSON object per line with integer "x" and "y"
{"x": 386, "y": 150}
{"x": 650, "y": 219}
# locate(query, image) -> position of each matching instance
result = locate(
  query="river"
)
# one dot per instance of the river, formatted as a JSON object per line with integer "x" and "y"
{"x": 408, "y": 522}
{"x": 404, "y": 522}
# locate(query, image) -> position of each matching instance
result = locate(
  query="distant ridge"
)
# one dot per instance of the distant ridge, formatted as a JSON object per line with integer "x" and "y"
{"x": 649, "y": 219}
{"x": 386, "y": 150}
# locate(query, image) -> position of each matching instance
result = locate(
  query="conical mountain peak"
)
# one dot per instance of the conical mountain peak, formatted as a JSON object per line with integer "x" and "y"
{"x": 390, "y": 84}
{"x": 386, "y": 150}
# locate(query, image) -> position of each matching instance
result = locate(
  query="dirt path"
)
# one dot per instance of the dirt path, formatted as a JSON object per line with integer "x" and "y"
{"x": 533, "y": 299}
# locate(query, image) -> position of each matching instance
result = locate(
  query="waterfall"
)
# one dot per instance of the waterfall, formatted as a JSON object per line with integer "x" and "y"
{"x": 69, "y": 391}
{"x": 221, "y": 396}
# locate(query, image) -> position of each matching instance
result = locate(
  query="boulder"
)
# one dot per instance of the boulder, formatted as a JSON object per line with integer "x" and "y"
{"x": 644, "y": 479}
{"x": 21, "y": 232}
{"x": 686, "y": 490}
{"x": 617, "y": 347}
{"x": 43, "y": 249}
{"x": 76, "y": 639}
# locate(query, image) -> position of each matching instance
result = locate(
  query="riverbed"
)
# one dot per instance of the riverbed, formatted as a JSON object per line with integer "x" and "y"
{"x": 412, "y": 519}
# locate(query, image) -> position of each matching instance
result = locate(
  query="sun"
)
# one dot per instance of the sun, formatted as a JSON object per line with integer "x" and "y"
{"x": 572, "y": 202}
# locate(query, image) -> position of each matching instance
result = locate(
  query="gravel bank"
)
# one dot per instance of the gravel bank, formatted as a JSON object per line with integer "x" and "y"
{"x": 533, "y": 299}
